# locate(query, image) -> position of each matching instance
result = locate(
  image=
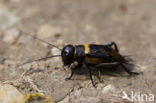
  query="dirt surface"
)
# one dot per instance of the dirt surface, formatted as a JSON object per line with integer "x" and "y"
{"x": 129, "y": 23}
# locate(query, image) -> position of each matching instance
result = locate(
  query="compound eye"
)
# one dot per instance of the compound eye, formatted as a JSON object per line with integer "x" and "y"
{"x": 66, "y": 53}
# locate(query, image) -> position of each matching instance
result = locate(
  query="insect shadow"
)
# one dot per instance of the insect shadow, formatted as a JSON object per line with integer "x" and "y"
{"x": 98, "y": 73}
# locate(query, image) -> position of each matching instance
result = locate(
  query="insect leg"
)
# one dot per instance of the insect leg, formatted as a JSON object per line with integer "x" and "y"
{"x": 90, "y": 74}
{"x": 108, "y": 64}
{"x": 79, "y": 65}
{"x": 115, "y": 45}
{"x": 128, "y": 71}
{"x": 68, "y": 78}
{"x": 112, "y": 64}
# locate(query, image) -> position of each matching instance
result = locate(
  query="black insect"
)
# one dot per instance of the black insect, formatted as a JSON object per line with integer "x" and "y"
{"x": 91, "y": 55}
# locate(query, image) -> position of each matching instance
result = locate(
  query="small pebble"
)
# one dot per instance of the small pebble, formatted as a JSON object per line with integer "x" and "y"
{"x": 47, "y": 30}
{"x": 108, "y": 88}
{"x": 7, "y": 19}
{"x": 9, "y": 94}
{"x": 55, "y": 51}
{"x": 11, "y": 36}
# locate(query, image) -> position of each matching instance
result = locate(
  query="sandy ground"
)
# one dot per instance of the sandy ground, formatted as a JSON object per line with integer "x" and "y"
{"x": 130, "y": 23}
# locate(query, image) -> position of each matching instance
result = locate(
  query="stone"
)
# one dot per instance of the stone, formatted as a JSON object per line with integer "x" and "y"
{"x": 7, "y": 19}
{"x": 108, "y": 88}
{"x": 11, "y": 36}
{"x": 46, "y": 31}
{"x": 9, "y": 94}
{"x": 55, "y": 51}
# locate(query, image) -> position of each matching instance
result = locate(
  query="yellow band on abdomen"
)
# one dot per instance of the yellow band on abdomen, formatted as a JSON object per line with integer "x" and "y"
{"x": 87, "y": 48}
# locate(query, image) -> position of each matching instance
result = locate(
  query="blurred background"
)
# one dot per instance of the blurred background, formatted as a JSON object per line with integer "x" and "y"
{"x": 129, "y": 23}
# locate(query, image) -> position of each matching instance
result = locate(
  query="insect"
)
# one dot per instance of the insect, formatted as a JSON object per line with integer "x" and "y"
{"x": 91, "y": 55}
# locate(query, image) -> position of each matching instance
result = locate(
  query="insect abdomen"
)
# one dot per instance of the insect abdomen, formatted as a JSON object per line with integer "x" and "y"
{"x": 89, "y": 58}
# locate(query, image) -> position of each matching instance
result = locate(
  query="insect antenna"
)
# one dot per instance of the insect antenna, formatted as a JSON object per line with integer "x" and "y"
{"x": 41, "y": 40}
{"x": 45, "y": 58}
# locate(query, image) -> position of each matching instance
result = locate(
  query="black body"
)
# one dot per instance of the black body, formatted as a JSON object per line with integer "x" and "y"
{"x": 93, "y": 55}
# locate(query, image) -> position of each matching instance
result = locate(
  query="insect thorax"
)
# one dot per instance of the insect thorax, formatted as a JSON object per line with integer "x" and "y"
{"x": 79, "y": 53}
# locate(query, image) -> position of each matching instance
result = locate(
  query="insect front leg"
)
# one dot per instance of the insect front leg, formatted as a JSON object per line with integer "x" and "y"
{"x": 79, "y": 65}
{"x": 115, "y": 46}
